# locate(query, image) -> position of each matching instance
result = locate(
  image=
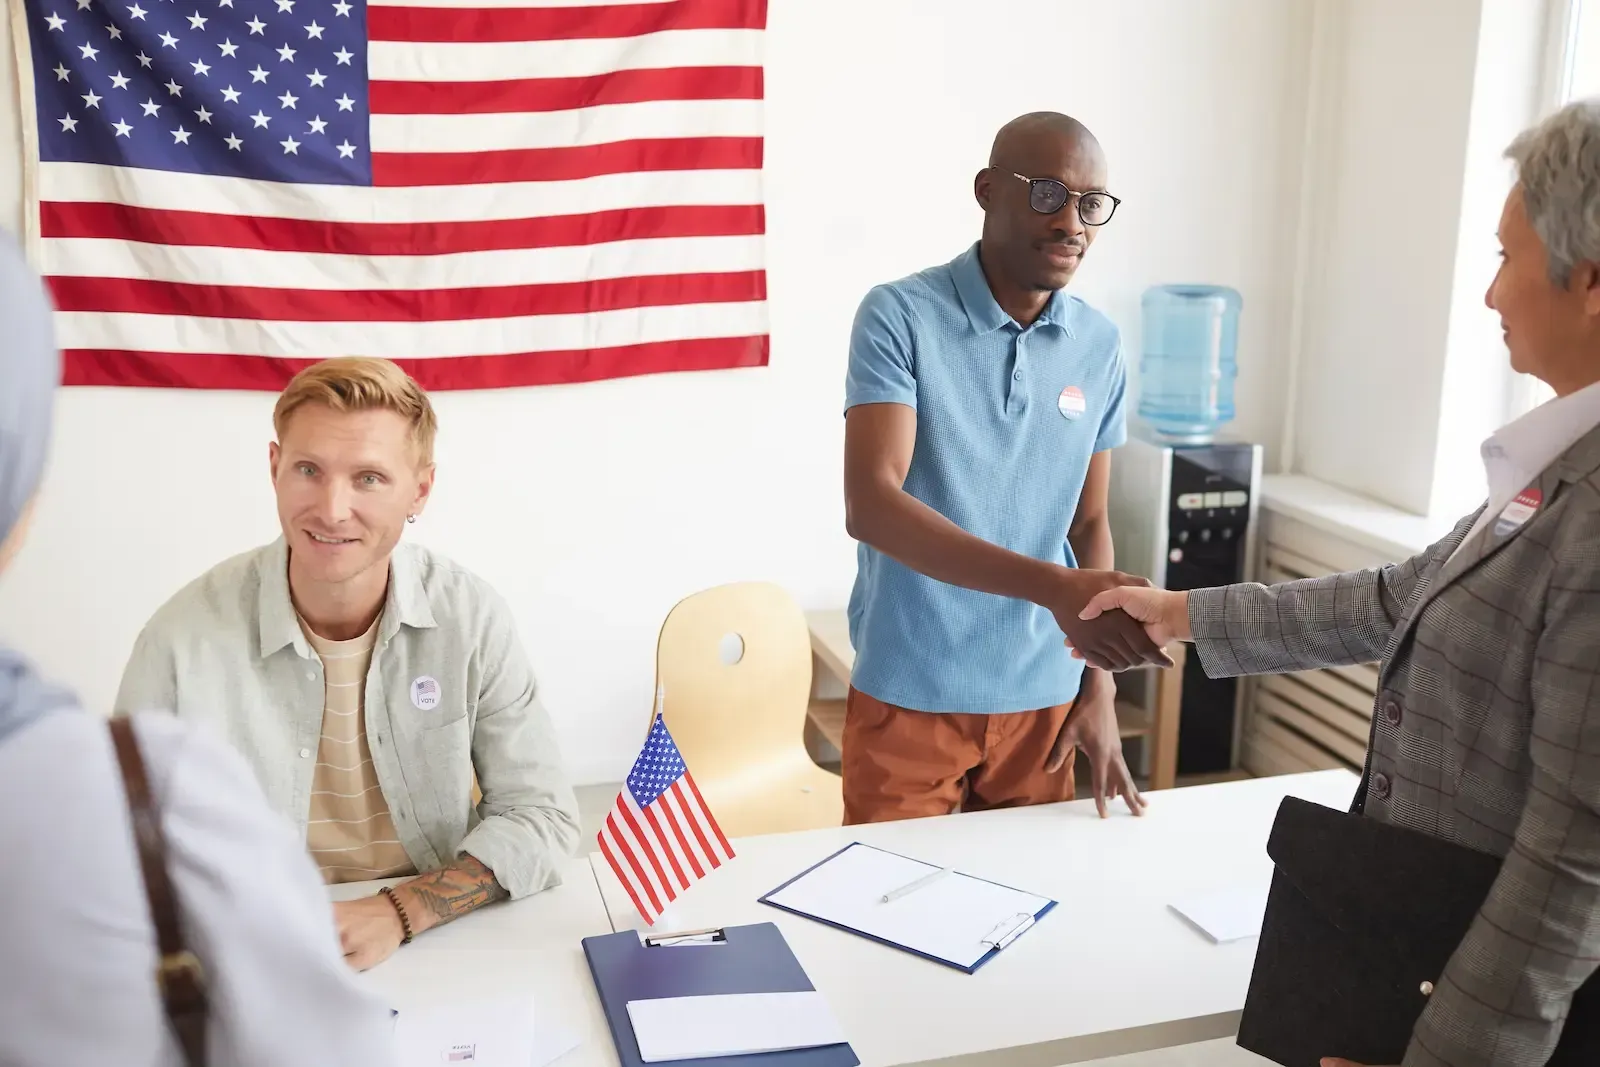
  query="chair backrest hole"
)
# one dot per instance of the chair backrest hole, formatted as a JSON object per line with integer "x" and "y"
{"x": 730, "y": 649}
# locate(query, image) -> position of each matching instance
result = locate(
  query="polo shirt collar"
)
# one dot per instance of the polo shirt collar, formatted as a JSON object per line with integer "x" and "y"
{"x": 984, "y": 313}
{"x": 405, "y": 604}
{"x": 1058, "y": 312}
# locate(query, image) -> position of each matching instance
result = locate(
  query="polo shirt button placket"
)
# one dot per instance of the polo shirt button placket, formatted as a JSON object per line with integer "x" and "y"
{"x": 1016, "y": 396}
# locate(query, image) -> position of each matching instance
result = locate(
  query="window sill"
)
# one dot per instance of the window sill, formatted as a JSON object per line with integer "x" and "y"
{"x": 1396, "y": 534}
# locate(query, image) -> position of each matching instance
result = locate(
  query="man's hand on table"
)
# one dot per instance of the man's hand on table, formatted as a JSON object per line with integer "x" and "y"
{"x": 1092, "y": 726}
{"x": 370, "y": 928}
{"x": 1108, "y": 640}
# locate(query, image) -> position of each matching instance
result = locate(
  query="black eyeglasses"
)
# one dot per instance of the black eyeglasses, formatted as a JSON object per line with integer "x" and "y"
{"x": 1047, "y": 196}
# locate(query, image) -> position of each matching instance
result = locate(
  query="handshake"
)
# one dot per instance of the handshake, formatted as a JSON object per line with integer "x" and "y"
{"x": 1117, "y": 621}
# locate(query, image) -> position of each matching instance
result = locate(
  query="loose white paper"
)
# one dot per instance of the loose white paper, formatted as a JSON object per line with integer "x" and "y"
{"x": 956, "y": 918}
{"x": 497, "y": 1032}
{"x": 1229, "y": 914}
{"x": 551, "y": 1041}
{"x": 688, "y": 1028}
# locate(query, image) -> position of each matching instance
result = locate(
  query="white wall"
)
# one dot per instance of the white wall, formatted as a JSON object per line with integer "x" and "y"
{"x": 594, "y": 508}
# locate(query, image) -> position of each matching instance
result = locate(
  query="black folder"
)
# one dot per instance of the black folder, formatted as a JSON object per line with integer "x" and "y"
{"x": 1361, "y": 919}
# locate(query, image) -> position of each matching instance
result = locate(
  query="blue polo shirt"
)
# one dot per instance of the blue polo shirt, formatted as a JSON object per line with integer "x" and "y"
{"x": 1007, "y": 420}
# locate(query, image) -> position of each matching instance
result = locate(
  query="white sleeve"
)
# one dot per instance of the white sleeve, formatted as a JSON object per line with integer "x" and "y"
{"x": 258, "y": 915}
{"x": 76, "y": 931}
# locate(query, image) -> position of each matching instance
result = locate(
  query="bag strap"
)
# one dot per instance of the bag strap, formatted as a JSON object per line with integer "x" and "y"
{"x": 179, "y": 975}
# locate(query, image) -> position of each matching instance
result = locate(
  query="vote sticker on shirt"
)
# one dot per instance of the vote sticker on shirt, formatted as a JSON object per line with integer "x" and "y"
{"x": 1071, "y": 403}
{"x": 425, "y": 693}
{"x": 1518, "y": 512}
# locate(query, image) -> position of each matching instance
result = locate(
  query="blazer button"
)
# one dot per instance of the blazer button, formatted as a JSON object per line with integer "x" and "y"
{"x": 1380, "y": 786}
{"x": 1391, "y": 712}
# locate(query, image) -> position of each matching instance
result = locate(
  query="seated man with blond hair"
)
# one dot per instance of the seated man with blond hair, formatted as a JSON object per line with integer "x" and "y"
{"x": 368, "y": 681}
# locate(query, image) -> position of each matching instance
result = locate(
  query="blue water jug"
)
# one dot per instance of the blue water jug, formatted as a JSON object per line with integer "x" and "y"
{"x": 1188, "y": 365}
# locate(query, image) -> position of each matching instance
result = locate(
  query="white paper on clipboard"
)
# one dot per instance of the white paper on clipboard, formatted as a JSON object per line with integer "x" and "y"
{"x": 957, "y": 919}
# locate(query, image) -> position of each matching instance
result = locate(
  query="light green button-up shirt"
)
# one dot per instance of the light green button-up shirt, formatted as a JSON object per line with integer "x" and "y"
{"x": 449, "y": 692}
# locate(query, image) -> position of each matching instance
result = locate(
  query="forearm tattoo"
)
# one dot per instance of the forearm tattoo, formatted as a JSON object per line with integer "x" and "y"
{"x": 453, "y": 891}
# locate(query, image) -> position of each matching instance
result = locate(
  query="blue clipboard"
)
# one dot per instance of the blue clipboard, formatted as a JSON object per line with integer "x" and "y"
{"x": 733, "y": 959}
{"x": 1002, "y": 941}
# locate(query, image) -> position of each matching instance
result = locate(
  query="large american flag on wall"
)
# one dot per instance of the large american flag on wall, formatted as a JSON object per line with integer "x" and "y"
{"x": 489, "y": 192}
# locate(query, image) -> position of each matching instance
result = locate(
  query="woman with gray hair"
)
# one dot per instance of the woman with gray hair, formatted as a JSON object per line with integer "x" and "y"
{"x": 78, "y": 944}
{"x": 1486, "y": 730}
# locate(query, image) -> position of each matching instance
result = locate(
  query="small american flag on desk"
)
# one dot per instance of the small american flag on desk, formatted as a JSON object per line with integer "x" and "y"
{"x": 660, "y": 838}
{"x": 492, "y": 193}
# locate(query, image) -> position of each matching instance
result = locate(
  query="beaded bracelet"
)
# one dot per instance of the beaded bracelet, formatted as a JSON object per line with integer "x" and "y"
{"x": 405, "y": 920}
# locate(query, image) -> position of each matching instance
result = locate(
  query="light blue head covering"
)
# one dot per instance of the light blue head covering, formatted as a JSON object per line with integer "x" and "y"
{"x": 30, "y": 367}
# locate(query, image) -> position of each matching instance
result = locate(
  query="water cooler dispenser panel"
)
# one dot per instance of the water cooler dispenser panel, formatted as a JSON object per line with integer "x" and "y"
{"x": 1182, "y": 516}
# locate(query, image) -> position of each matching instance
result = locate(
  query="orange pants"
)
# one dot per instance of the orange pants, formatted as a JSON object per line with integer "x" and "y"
{"x": 904, "y": 764}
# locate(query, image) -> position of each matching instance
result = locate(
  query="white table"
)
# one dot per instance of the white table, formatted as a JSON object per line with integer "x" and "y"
{"x": 529, "y": 945}
{"x": 1109, "y": 971}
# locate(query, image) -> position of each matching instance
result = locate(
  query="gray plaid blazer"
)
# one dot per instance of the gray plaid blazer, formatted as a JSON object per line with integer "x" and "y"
{"x": 1486, "y": 732}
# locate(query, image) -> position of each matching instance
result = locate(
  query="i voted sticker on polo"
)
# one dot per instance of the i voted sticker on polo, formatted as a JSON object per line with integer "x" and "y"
{"x": 1072, "y": 403}
{"x": 1518, "y": 511}
{"x": 425, "y": 693}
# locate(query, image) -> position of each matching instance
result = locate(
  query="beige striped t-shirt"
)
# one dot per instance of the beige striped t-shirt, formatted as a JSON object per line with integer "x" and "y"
{"x": 349, "y": 833}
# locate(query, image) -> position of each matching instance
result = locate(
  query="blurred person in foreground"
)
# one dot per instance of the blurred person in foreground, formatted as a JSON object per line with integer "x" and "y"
{"x": 77, "y": 942}
{"x": 1486, "y": 730}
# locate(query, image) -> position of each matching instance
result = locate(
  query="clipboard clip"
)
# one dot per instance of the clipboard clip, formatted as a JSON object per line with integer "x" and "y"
{"x": 1007, "y": 930}
{"x": 714, "y": 935}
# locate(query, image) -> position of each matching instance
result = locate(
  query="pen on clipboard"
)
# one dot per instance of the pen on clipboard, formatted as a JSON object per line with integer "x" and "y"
{"x": 912, "y": 887}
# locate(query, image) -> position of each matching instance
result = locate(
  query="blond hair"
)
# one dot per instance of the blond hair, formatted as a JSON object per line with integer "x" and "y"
{"x": 361, "y": 383}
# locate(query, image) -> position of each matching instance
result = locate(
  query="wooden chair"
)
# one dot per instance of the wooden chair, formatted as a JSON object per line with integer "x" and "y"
{"x": 736, "y": 664}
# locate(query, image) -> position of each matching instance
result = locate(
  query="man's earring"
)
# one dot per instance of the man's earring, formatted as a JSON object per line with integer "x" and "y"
{"x": 411, "y": 518}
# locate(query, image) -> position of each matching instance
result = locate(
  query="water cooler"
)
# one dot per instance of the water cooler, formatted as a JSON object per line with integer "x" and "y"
{"x": 1183, "y": 499}
{"x": 1183, "y": 515}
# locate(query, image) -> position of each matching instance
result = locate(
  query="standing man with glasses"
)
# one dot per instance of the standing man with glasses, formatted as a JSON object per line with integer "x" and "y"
{"x": 981, "y": 405}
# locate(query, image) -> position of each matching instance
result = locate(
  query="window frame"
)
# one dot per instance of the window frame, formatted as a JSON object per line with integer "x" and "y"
{"x": 1565, "y": 21}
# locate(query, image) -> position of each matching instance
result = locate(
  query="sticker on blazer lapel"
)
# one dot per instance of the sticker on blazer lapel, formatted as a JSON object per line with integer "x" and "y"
{"x": 1071, "y": 403}
{"x": 1518, "y": 512}
{"x": 425, "y": 693}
